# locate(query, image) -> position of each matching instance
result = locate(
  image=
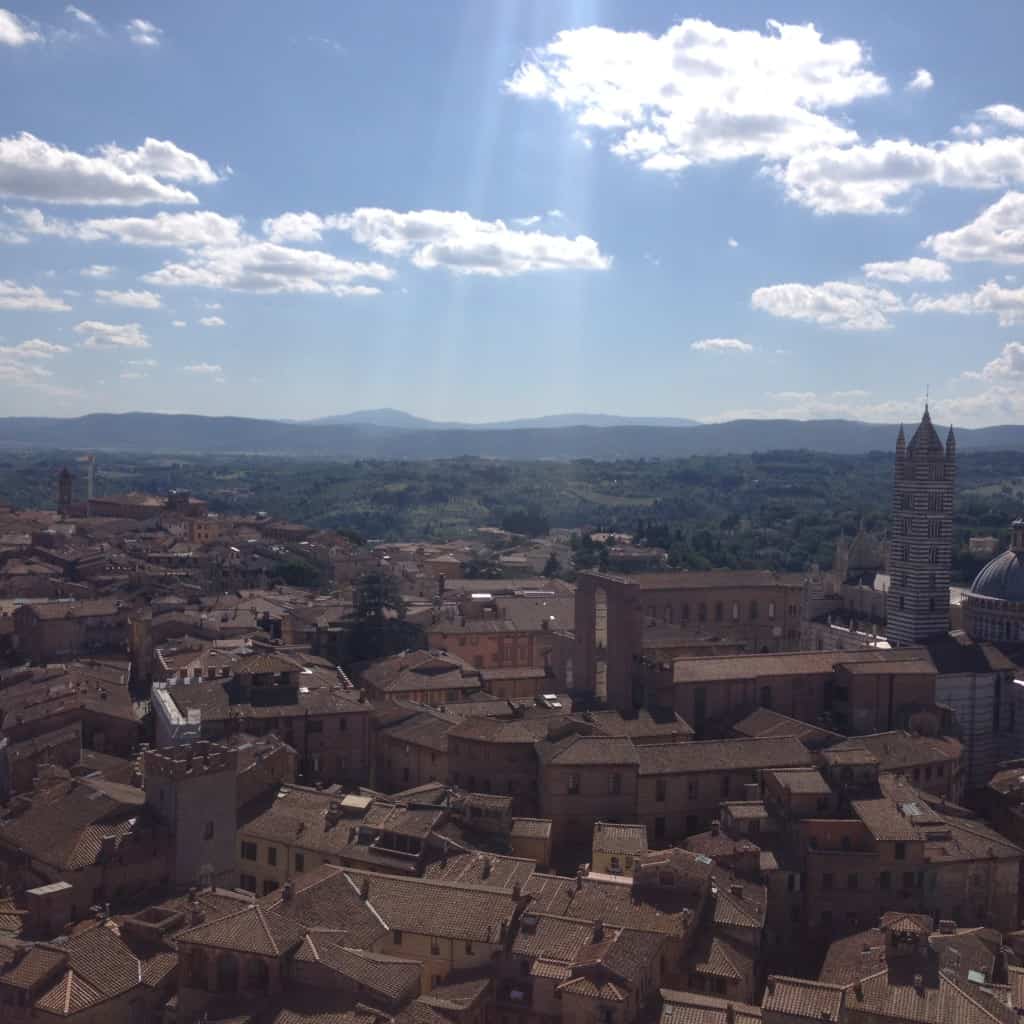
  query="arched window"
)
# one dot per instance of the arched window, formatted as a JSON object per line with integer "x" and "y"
{"x": 933, "y": 556}
{"x": 684, "y": 613}
{"x": 719, "y": 611}
{"x": 753, "y": 610}
{"x": 702, "y": 612}
{"x": 735, "y": 611}
{"x": 669, "y": 614}
{"x": 771, "y": 609}
{"x": 227, "y": 972}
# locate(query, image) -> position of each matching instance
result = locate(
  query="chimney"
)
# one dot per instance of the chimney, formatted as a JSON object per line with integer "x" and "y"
{"x": 599, "y": 931}
{"x": 517, "y": 890}
{"x": 716, "y": 827}
{"x": 579, "y": 880}
{"x": 771, "y": 983}
{"x": 287, "y": 892}
{"x": 730, "y": 1014}
{"x": 364, "y": 889}
{"x": 735, "y": 889}
{"x": 919, "y": 984}
{"x": 487, "y": 867}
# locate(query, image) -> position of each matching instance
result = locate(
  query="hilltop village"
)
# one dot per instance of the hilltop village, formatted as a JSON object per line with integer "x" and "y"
{"x": 256, "y": 773}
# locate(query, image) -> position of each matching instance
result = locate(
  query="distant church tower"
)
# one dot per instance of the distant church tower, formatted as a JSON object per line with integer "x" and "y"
{"x": 921, "y": 536}
{"x": 63, "y": 491}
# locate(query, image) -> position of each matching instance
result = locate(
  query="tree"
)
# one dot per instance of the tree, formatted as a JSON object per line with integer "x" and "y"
{"x": 376, "y": 594}
{"x": 552, "y": 567}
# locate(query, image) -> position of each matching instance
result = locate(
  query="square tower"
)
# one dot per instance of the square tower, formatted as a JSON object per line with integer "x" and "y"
{"x": 920, "y": 547}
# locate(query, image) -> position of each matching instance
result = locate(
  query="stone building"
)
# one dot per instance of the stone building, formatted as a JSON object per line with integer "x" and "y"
{"x": 993, "y": 607}
{"x": 922, "y": 535}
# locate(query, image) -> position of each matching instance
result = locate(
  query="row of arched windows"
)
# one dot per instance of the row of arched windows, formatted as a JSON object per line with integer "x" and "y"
{"x": 667, "y": 614}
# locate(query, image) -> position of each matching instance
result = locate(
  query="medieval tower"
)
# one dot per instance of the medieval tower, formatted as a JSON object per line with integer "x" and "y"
{"x": 921, "y": 536}
{"x": 64, "y": 486}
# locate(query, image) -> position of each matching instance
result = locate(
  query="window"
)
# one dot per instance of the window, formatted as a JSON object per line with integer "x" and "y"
{"x": 826, "y": 880}
{"x": 908, "y": 879}
{"x": 753, "y": 610}
{"x": 905, "y": 501}
{"x": 300, "y": 862}
{"x": 435, "y": 947}
{"x": 469, "y": 948}
{"x": 269, "y": 886}
{"x": 933, "y": 556}
{"x": 315, "y": 725}
{"x": 574, "y": 784}
{"x": 659, "y": 828}
{"x": 702, "y": 612}
{"x": 901, "y": 851}
{"x": 247, "y": 882}
{"x": 660, "y": 790}
{"x": 935, "y": 528}
{"x": 884, "y": 880}
{"x": 208, "y": 830}
{"x": 615, "y": 784}
{"x": 771, "y": 609}
{"x": 735, "y": 611}
{"x": 272, "y": 856}
{"x": 396, "y": 938}
{"x": 725, "y": 785}
{"x": 852, "y": 882}
{"x": 691, "y": 789}
{"x": 248, "y": 851}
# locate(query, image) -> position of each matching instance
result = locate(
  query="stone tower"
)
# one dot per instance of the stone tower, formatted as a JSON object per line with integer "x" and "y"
{"x": 64, "y": 481}
{"x": 192, "y": 789}
{"x": 922, "y": 535}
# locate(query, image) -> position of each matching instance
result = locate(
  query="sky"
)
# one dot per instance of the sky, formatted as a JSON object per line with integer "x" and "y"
{"x": 486, "y": 210}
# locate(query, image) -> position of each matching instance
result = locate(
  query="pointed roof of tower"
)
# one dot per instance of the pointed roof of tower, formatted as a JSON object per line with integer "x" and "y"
{"x": 950, "y": 440}
{"x": 925, "y": 438}
{"x": 901, "y": 440}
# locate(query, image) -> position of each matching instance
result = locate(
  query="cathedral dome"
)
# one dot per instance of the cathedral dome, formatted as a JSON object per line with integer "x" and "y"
{"x": 1002, "y": 579}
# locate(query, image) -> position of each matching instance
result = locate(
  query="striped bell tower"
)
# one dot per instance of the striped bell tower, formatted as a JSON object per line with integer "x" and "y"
{"x": 921, "y": 539}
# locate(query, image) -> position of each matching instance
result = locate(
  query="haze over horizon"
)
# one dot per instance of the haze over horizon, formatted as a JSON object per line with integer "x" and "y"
{"x": 513, "y": 210}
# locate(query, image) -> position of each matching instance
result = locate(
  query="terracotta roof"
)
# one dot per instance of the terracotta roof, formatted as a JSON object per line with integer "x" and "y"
{"x": 531, "y": 828}
{"x": 692, "y": 1008}
{"x": 615, "y": 838}
{"x": 249, "y": 930}
{"x": 793, "y": 663}
{"x": 802, "y": 781}
{"x": 589, "y": 750}
{"x": 900, "y": 750}
{"x": 798, "y": 997}
{"x": 390, "y": 976}
{"x": 763, "y": 722}
{"x": 722, "y": 755}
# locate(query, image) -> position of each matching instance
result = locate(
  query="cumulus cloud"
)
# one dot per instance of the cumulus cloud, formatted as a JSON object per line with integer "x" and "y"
{"x": 868, "y": 179}
{"x": 854, "y": 307}
{"x": 96, "y": 270}
{"x": 1007, "y": 367}
{"x": 905, "y": 271}
{"x": 733, "y": 244}
{"x": 211, "y": 321}
{"x": 921, "y": 82}
{"x": 14, "y": 31}
{"x": 464, "y": 245}
{"x": 721, "y": 345}
{"x": 253, "y": 266}
{"x": 701, "y": 93}
{"x": 33, "y": 348}
{"x": 33, "y": 169}
{"x": 100, "y": 335}
{"x": 162, "y": 159}
{"x": 996, "y": 234}
{"x": 175, "y": 230}
{"x": 296, "y": 227}
{"x": 1005, "y": 303}
{"x": 29, "y": 297}
{"x": 143, "y": 33}
{"x": 1004, "y": 114}
{"x": 135, "y": 299}
{"x": 209, "y": 369}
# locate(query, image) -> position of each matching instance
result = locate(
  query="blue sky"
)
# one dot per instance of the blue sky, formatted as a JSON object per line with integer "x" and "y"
{"x": 480, "y": 211}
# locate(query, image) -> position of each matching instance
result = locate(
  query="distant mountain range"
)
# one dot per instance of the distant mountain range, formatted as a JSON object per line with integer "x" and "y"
{"x": 406, "y": 421}
{"x": 159, "y": 432}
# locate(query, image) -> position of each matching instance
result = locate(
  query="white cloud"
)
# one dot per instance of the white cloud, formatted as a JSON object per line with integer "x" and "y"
{"x": 211, "y": 321}
{"x": 701, "y": 93}
{"x": 464, "y": 245}
{"x": 996, "y": 234}
{"x": 96, "y": 270}
{"x": 867, "y": 179}
{"x": 133, "y": 375}
{"x": 1007, "y": 367}
{"x": 29, "y": 297}
{"x": 82, "y": 16}
{"x": 905, "y": 271}
{"x": 1005, "y": 114}
{"x": 296, "y": 227}
{"x": 203, "y": 368}
{"x": 213, "y": 305}
{"x": 265, "y": 267}
{"x": 922, "y": 81}
{"x": 721, "y": 345}
{"x": 136, "y": 299}
{"x": 733, "y": 244}
{"x": 831, "y": 304}
{"x": 178, "y": 323}
{"x": 33, "y": 169}
{"x": 176, "y": 230}
{"x": 447, "y": 238}
{"x": 143, "y": 33}
{"x": 14, "y": 31}
{"x": 142, "y": 362}
{"x": 33, "y": 348}
{"x": 162, "y": 159}
{"x": 101, "y": 335}
{"x": 1006, "y": 303}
